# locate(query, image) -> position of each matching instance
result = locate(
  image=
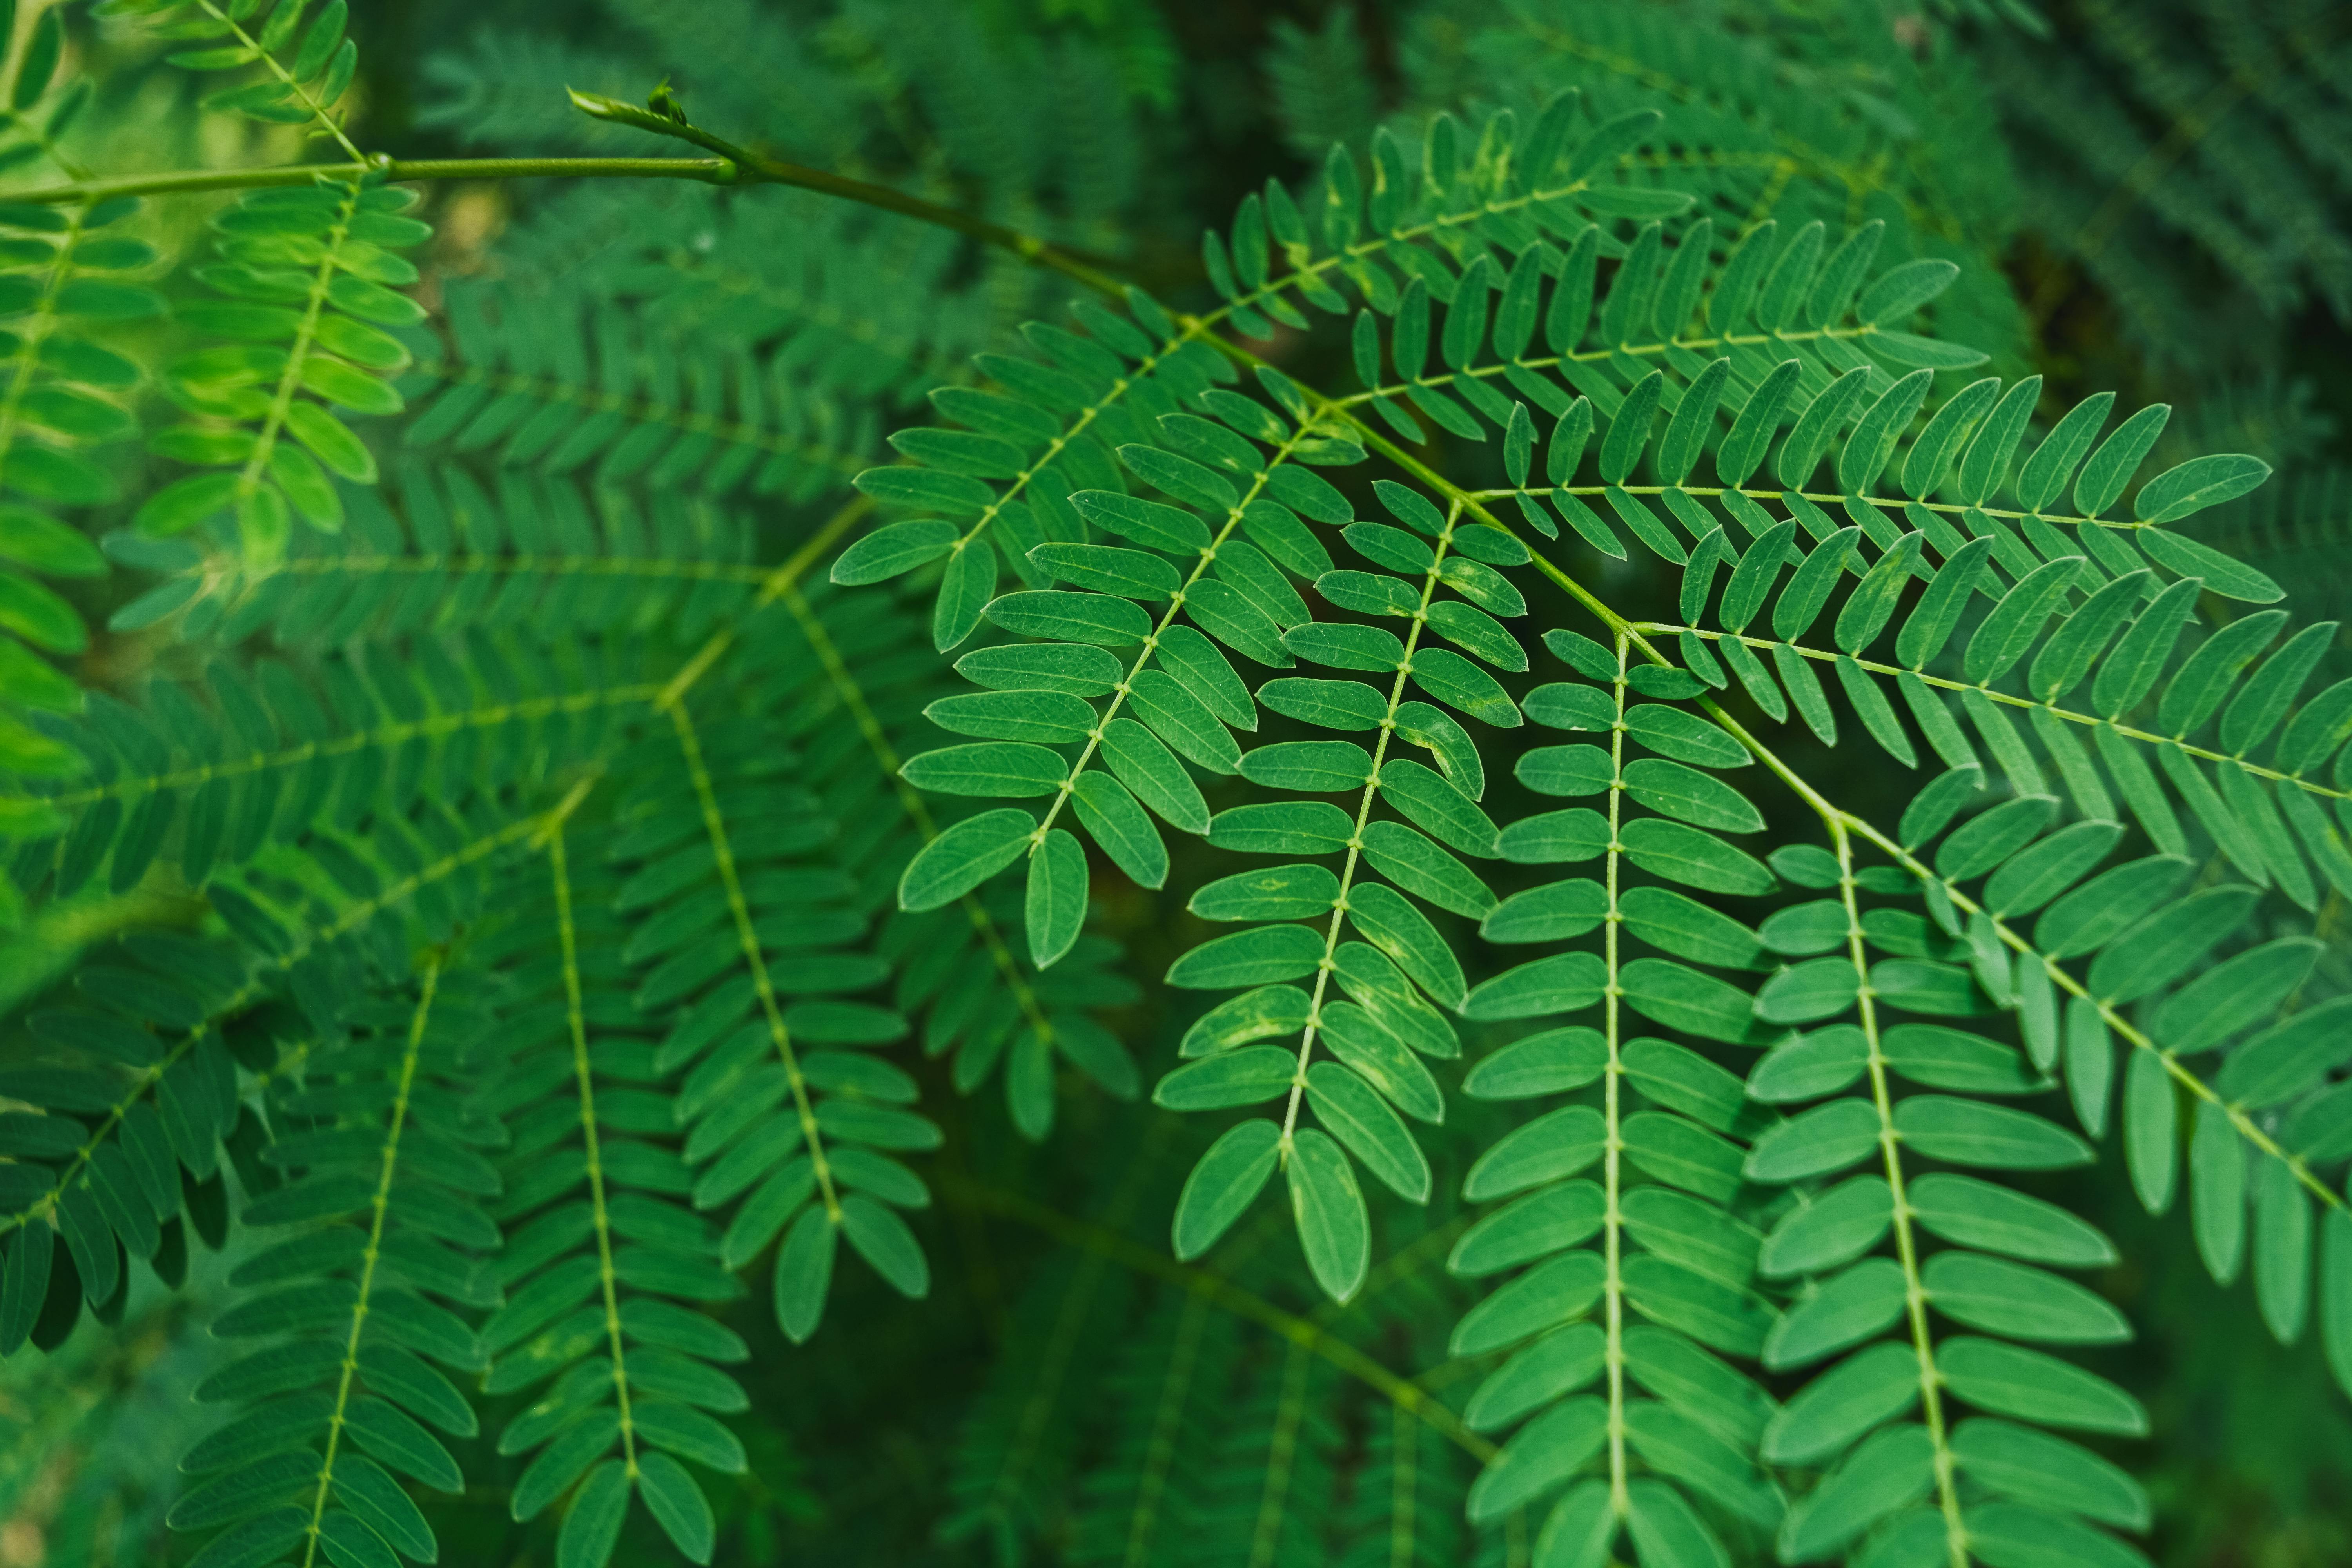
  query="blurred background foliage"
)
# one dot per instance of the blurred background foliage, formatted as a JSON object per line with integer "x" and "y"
{"x": 2153, "y": 196}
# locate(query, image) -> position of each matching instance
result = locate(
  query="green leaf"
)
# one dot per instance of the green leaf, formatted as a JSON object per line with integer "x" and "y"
{"x": 1695, "y": 1235}
{"x": 2289, "y": 1057}
{"x": 1867, "y": 1388}
{"x": 2220, "y": 574}
{"x": 1248, "y": 1075}
{"x": 1693, "y": 857}
{"x": 1548, "y": 1063}
{"x": 805, "y": 1273}
{"x": 1678, "y": 1151}
{"x": 1990, "y": 838}
{"x": 1148, "y": 523}
{"x": 2008, "y": 1380}
{"x": 1966, "y": 1133}
{"x": 2033, "y": 1467}
{"x": 2092, "y": 916}
{"x": 1392, "y": 924}
{"x": 1902, "y": 291}
{"x": 1459, "y": 684}
{"x": 591, "y": 1525}
{"x": 1115, "y": 821}
{"x": 1057, "y": 615}
{"x": 1667, "y": 1532}
{"x": 991, "y": 768}
{"x": 1557, "y": 1363}
{"x": 1308, "y": 767}
{"x": 362, "y": 1487}
{"x": 331, "y": 441}
{"x": 1825, "y": 1139}
{"x": 1328, "y": 704}
{"x": 39, "y": 617}
{"x": 1208, "y": 675}
{"x": 1334, "y": 1231}
{"x": 965, "y": 856}
{"x": 1273, "y": 893}
{"x": 676, "y": 1501}
{"x": 2200, "y": 482}
{"x": 1931, "y": 622}
{"x": 1144, "y": 765}
{"x": 1356, "y": 1036}
{"x": 1544, "y": 1454}
{"x": 39, "y": 63}
{"x": 1533, "y": 1227}
{"x": 1182, "y": 720}
{"x": 1253, "y": 1015}
{"x": 2036, "y": 875}
{"x": 1942, "y": 1058}
{"x": 1809, "y": 1065}
{"x": 1055, "y": 911}
{"x": 1890, "y": 1470}
{"x": 2234, "y": 993}
{"x": 1682, "y": 998}
{"x": 1848, "y": 1308}
{"x": 1676, "y": 791}
{"x": 1070, "y": 667}
{"x": 1544, "y": 1297}
{"x": 1420, "y": 866}
{"x": 1047, "y": 718}
{"x": 2217, "y": 1192}
{"x": 1833, "y": 1229}
{"x": 2046, "y": 472}
{"x": 1569, "y": 770}
{"x": 1363, "y": 1123}
{"x": 2162, "y": 946}
{"x": 1223, "y": 1184}
{"x": 1253, "y": 957}
{"x": 1129, "y": 574}
{"x": 1437, "y": 806}
{"x": 1557, "y": 1144}
{"x": 1976, "y": 1212}
{"x": 1819, "y": 988}
{"x": 1553, "y": 912}
{"x": 1687, "y": 928}
{"x": 1560, "y": 984}
{"x": 2003, "y": 636}
{"x": 2019, "y": 1302}
{"x": 1283, "y": 827}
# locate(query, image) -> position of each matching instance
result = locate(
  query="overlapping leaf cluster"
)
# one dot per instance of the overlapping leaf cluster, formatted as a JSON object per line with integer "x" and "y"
{"x": 605, "y": 884}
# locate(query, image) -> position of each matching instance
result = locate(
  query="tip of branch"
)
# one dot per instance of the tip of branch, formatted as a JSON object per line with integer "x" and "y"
{"x": 596, "y": 106}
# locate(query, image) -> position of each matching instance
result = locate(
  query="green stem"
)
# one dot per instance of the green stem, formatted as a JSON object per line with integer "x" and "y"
{"x": 524, "y": 565}
{"x": 2068, "y": 715}
{"x": 1906, "y": 1246}
{"x": 758, "y": 168}
{"x": 2247, "y": 1127}
{"x": 1819, "y": 498}
{"x": 1323, "y": 971}
{"x": 380, "y": 1206}
{"x": 1167, "y": 618}
{"x": 576, "y": 1017}
{"x": 303, "y": 95}
{"x": 384, "y": 737}
{"x": 289, "y": 381}
{"x": 1613, "y": 1145}
{"x": 1594, "y": 356}
{"x": 747, "y": 936}
{"x": 185, "y": 182}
